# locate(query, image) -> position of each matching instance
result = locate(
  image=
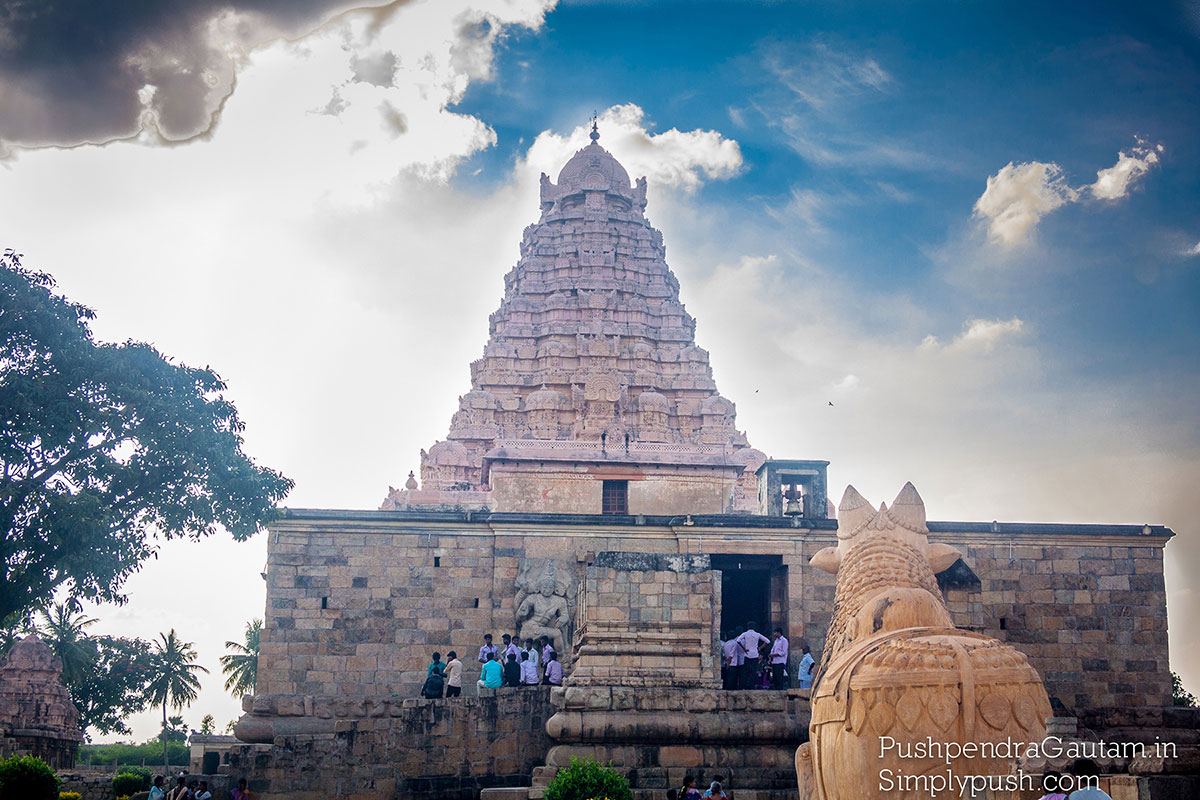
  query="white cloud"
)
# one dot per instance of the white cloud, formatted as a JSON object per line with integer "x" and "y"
{"x": 673, "y": 158}
{"x": 1194, "y": 250}
{"x": 1019, "y": 195}
{"x": 1117, "y": 181}
{"x": 978, "y": 336}
{"x": 985, "y": 334}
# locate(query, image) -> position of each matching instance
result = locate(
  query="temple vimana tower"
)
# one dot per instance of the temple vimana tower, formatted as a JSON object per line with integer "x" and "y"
{"x": 593, "y": 488}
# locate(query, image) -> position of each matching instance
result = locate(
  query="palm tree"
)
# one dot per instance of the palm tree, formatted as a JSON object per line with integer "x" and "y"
{"x": 242, "y": 664}
{"x": 174, "y": 680}
{"x": 12, "y": 628}
{"x": 62, "y": 627}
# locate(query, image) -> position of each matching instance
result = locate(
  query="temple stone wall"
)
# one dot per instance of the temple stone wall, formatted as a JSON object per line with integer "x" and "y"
{"x": 357, "y": 601}
{"x": 648, "y": 620}
{"x": 1092, "y": 618}
{"x": 576, "y": 489}
{"x": 413, "y": 749}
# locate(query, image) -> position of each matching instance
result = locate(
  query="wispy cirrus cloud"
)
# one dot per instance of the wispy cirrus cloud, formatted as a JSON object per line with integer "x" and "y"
{"x": 1020, "y": 195}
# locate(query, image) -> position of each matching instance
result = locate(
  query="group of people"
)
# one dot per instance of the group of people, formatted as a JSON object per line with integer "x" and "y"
{"x": 508, "y": 664}
{"x": 690, "y": 792}
{"x": 191, "y": 789}
{"x": 746, "y": 663}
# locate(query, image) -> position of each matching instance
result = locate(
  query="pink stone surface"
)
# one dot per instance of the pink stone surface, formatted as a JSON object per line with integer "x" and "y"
{"x": 591, "y": 354}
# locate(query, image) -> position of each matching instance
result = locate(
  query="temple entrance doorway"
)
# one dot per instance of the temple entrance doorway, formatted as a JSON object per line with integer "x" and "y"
{"x": 749, "y": 585}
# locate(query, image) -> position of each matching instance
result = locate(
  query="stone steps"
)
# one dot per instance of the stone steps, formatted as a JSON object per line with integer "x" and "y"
{"x": 510, "y": 793}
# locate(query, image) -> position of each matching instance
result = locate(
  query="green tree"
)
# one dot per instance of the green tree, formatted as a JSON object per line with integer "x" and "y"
{"x": 64, "y": 629}
{"x": 242, "y": 664}
{"x": 12, "y": 629}
{"x": 104, "y": 448}
{"x": 208, "y": 725}
{"x": 174, "y": 680}
{"x": 115, "y": 687}
{"x": 1180, "y": 695}
{"x": 105, "y": 675}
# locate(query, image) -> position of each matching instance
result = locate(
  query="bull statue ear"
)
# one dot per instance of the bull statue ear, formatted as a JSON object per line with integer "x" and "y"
{"x": 941, "y": 557}
{"x": 827, "y": 560}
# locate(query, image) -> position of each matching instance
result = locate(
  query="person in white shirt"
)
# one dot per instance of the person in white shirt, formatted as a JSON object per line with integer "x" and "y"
{"x": 736, "y": 659}
{"x": 748, "y": 643}
{"x": 729, "y": 671}
{"x": 805, "y": 668}
{"x": 778, "y": 659}
{"x": 453, "y": 675}
{"x": 529, "y": 670}
{"x": 488, "y": 649}
{"x": 202, "y": 793}
{"x": 509, "y": 648}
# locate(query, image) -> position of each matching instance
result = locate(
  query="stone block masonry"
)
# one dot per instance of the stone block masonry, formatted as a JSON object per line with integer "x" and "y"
{"x": 414, "y": 749}
{"x": 357, "y": 601}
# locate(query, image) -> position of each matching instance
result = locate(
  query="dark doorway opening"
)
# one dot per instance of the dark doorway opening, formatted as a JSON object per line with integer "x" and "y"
{"x": 746, "y": 584}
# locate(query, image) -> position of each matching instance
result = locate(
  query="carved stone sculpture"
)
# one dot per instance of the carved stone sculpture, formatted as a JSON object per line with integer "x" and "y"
{"x": 36, "y": 713}
{"x": 590, "y": 337}
{"x": 895, "y": 666}
{"x": 541, "y": 603}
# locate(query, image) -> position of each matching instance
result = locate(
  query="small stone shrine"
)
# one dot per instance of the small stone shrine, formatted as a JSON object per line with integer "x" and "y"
{"x": 593, "y": 488}
{"x": 37, "y": 716}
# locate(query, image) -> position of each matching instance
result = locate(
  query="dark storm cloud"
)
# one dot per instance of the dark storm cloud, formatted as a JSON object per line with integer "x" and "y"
{"x": 76, "y": 71}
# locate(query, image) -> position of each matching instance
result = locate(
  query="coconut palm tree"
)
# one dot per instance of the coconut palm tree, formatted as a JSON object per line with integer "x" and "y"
{"x": 63, "y": 628}
{"x": 174, "y": 680}
{"x": 12, "y": 629}
{"x": 242, "y": 664}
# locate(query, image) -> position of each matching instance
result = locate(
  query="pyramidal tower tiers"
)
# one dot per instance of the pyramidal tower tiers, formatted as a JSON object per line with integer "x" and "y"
{"x": 591, "y": 385}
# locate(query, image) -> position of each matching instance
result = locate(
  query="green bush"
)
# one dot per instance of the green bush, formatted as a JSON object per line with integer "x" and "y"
{"x": 587, "y": 780}
{"x": 70, "y": 796}
{"x": 149, "y": 753}
{"x": 28, "y": 778}
{"x": 131, "y": 780}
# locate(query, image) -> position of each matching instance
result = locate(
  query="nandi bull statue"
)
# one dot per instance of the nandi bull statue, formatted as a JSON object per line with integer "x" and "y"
{"x": 896, "y": 674}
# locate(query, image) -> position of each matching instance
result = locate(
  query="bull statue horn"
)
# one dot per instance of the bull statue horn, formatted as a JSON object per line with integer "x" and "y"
{"x": 853, "y": 512}
{"x": 909, "y": 509}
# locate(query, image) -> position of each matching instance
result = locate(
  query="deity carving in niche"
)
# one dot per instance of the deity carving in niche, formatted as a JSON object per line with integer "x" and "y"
{"x": 653, "y": 416}
{"x": 600, "y": 396}
{"x": 541, "y": 602}
{"x": 543, "y": 407}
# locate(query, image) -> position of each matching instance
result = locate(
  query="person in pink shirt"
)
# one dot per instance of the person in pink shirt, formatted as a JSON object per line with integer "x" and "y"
{"x": 554, "y": 671}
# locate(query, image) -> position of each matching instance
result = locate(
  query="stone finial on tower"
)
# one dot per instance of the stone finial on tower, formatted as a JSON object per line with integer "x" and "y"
{"x": 595, "y": 134}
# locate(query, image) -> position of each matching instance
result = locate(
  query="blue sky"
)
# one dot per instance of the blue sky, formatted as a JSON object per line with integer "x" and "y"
{"x": 961, "y": 90}
{"x": 895, "y": 207}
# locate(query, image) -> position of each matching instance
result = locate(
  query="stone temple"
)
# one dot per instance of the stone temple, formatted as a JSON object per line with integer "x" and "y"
{"x": 593, "y": 488}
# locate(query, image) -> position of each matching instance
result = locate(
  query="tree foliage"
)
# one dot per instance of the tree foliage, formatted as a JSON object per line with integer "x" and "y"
{"x": 64, "y": 630}
{"x": 586, "y": 779}
{"x": 131, "y": 780}
{"x": 1181, "y": 696}
{"x": 173, "y": 679}
{"x": 28, "y": 778}
{"x": 105, "y": 675}
{"x": 149, "y": 752}
{"x": 242, "y": 664}
{"x": 103, "y": 447}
